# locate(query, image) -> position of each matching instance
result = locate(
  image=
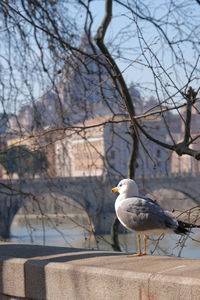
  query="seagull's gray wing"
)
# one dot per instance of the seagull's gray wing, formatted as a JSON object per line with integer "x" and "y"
{"x": 143, "y": 214}
{"x": 149, "y": 199}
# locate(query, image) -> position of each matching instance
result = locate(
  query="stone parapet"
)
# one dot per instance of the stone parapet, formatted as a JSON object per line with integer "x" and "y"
{"x": 58, "y": 273}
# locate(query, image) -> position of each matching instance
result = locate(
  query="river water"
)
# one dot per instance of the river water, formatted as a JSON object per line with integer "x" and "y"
{"x": 71, "y": 234}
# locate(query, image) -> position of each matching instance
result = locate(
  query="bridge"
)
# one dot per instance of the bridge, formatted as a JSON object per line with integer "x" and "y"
{"x": 92, "y": 193}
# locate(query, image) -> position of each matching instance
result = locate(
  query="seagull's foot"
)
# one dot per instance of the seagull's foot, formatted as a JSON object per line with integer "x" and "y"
{"x": 137, "y": 254}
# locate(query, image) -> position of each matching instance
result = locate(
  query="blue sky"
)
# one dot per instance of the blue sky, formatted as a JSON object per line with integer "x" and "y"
{"x": 122, "y": 40}
{"x": 135, "y": 69}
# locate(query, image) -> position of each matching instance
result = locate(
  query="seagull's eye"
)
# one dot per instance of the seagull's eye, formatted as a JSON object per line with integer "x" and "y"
{"x": 120, "y": 184}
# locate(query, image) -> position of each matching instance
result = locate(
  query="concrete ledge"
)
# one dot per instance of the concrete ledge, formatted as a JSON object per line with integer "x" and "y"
{"x": 57, "y": 273}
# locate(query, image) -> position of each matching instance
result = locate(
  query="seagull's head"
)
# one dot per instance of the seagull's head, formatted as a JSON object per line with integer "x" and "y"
{"x": 127, "y": 187}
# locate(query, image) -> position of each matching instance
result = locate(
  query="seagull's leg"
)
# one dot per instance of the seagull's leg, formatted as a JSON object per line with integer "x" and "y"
{"x": 145, "y": 245}
{"x": 139, "y": 244}
{"x": 139, "y": 247}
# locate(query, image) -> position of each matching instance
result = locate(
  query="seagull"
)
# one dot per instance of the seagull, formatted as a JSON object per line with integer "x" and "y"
{"x": 144, "y": 215}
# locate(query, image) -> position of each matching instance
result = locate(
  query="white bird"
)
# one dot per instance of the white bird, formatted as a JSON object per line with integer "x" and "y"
{"x": 143, "y": 215}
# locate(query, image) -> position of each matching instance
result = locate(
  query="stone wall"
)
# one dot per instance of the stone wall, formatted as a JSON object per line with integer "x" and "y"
{"x": 57, "y": 273}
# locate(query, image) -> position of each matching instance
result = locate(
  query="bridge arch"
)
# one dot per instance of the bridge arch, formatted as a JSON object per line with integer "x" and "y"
{"x": 171, "y": 199}
{"x": 54, "y": 212}
{"x": 92, "y": 194}
{"x": 187, "y": 185}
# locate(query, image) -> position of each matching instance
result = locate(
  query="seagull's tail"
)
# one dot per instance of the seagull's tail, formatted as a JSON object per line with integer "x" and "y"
{"x": 184, "y": 226}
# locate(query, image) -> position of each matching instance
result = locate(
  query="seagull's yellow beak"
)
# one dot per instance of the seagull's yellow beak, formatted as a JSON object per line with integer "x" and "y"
{"x": 114, "y": 190}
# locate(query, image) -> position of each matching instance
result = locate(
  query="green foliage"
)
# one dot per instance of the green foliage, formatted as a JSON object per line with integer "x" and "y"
{"x": 20, "y": 160}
